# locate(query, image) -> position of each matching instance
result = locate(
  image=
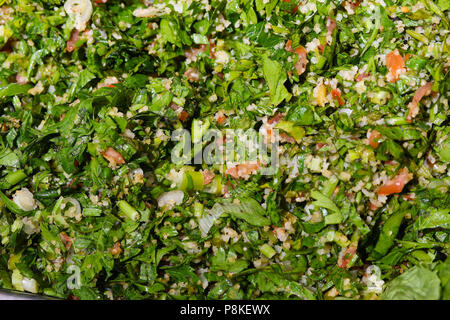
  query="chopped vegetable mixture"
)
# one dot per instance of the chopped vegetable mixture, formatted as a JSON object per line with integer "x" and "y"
{"x": 355, "y": 93}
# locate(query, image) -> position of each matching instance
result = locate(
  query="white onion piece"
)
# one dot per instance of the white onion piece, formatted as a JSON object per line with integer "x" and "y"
{"x": 79, "y": 11}
{"x": 347, "y": 111}
{"x": 30, "y": 226}
{"x": 171, "y": 198}
{"x": 30, "y": 285}
{"x": 137, "y": 173}
{"x": 24, "y": 199}
{"x": 73, "y": 211}
{"x": 137, "y": 176}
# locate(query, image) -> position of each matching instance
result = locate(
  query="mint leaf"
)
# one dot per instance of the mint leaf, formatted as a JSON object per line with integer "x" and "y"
{"x": 275, "y": 79}
{"x": 417, "y": 283}
{"x": 248, "y": 209}
{"x": 436, "y": 218}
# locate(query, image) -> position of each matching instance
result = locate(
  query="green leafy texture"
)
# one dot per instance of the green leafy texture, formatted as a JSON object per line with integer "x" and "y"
{"x": 443, "y": 5}
{"x": 268, "y": 281}
{"x": 223, "y": 261}
{"x": 170, "y": 32}
{"x": 444, "y": 275}
{"x": 301, "y": 115}
{"x": 443, "y": 150}
{"x": 296, "y": 132}
{"x": 417, "y": 283}
{"x": 434, "y": 219}
{"x": 249, "y": 210}
{"x": 9, "y": 158}
{"x": 325, "y": 202}
{"x": 13, "y": 89}
{"x": 36, "y": 59}
{"x": 12, "y": 206}
{"x": 127, "y": 86}
{"x": 275, "y": 78}
{"x": 83, "y": 79}
{"x": 256, "y": 33}
{"x": 388, "y": 233}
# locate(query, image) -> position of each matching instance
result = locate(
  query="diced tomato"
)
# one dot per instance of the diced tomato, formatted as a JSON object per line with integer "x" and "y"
{"x": 66, "y": 240}
{"x": 226, "y": 189}
{"x": 373, "y": 206}
{"x": 287, "y": 138}
{"x": 346, "y": 256}
{"x": 275, "y": 119}
{"x": 72, "y": 184}
{"x": 242, "y": 170}
{"x": 6, "y": 47}
{"x": 233, "y": 171}
{"x": 395, "y": 63}
{"x": 361, "y": 76}
{"x": 321, "y": 47}
{"x": 269, "y": 134}
{"x": 193, "y": 52}
{"x": 336, "y": 190}
{"x": 100, "y": 1}
{"x": 116, "y": 249}
{"x": 413, "y": 106}
{"x": 430, "y": 161}
{"x": 221, "y": 119}
{"x": 109, "y": 82}
{"x": 21, "y": 79}
{"x": 288, "y": 46}
{"x": 355, "y": 4}
{"x": 300, "y": 50}
{"x": 71, "y": 44}
{"x": 320, "y": 145}
{"x": 113, "y": 156}
{"x": 336, "y": 94}
{"x": 396, "y": 184}
{"x": 280, "y": 233}
{"x": 409, "y": 197}
{"x": 174, "y": 106}
{"x": 300, "y": 66}
{"x": 220, "y": 75}
{"x": 390, "y": 163}
{"x": 331, "y": 24}
{"x": 183, "y": 116}
{"x": 212, "y": 47}
{"x": 207, "y": 176}
{"x": 373, "y": 136}
{"x": 192, "y": 74}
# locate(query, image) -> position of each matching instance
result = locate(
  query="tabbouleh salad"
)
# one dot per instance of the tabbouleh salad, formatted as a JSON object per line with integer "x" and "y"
{"x": 92, "y": 207}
